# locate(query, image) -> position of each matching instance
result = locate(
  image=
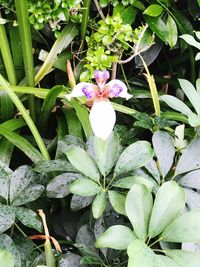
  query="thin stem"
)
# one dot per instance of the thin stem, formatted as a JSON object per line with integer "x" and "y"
{"x": 20, "y": 230}
{"x": 124, "y": 75}
{"x": 99, "y": 9}
{"x": 192, "y": 65}
{"x": 114, "y": 70}
{"x": 26, "y": 40}
{"x": 26, "y": 117}
{"x": 155, "y": 242}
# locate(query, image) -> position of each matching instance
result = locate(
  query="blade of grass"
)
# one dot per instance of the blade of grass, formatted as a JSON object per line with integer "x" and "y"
{"x": 64, "y": 39}
{"x": 7, "y": 107}
{"x": 26, "y": 117}
{"x": 73, "y": 123}
{"x": 25, "y": 36}
{"x": 22, "y": 144}
{"x": 85, "y": 18}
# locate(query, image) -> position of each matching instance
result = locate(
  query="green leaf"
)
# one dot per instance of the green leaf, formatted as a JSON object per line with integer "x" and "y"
{"x": 169, "y": 202}
{"x": 184, "y": 258}
{"x": 84, "y": 187}
{"x": 6, "y": 259}
{"x": 117, "y": 237}
{"x": 22, "y": 144}
{"x": 128, "y": 182}
{"x": 184, "y": 25}
{"x": 190, "y": 158}
{"x": 7, "y": 243}
{"x": 154, "y": 10}
{"x": 19, "y": 180}
{"x": 59, "y": 186}
{"x": 176, "y": 104}
{"x": 190, "y": 40}
{"x": 163, "y": 145}
{"x": 128, "y": 15}
{"x": 99, "y": 205}
{"x": 29, "y": 194}
{"x": 172, "y": 31}
{"x": 185, "y": 228}
{"x": 139, "y": 203}
{"x": 79, "y": 202}
{"x": 64, "y": 39}
{"x": 193, "y": 120}
{"x": 73, "y": 123}
{"x": 28, "y": 218}
{"x": 191, "y": 94}
{"x": 69, "y": 259}
{"x": 83, "y": 162}
{"x": 48, "y": 105}
{"x": 106, "y": 152}
{"x": 191, "y": 180}
{"x": 7, "y": 217}
{"x": 53, "y": 166}
{"x": 140, "y": 254}
{"x": 157, "y": 25}
{"x": 133, "y": 157}
{"x": 163, "y": 261}
{"x": 117, "y": 201}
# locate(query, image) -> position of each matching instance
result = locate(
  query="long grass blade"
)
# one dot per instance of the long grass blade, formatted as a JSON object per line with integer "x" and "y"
{"x": 26, "y": 40}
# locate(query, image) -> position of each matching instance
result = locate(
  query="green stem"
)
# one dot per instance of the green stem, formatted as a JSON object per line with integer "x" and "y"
{"x": 86, "y": 10}
{"x": 26, "y": 40}
{"x": 192, "y": 65}
{"x": 26, "y": 117}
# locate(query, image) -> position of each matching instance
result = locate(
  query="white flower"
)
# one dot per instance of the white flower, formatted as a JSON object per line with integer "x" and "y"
{"x": 102, "y": 114}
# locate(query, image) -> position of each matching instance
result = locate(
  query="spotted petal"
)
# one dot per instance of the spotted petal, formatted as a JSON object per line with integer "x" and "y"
{"x": 118, "y": 89}
{"x": 102, "y": 118}
{"x": 82, "y": 89}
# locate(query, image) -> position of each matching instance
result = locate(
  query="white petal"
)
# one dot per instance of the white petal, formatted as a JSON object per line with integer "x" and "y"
{"x": 78, "y": 90}
{"x": 119, "y": 84}
{"x": 102, "y": 118}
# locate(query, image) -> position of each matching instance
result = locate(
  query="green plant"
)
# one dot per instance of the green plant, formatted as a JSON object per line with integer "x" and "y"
{"x": 153, "y": 222}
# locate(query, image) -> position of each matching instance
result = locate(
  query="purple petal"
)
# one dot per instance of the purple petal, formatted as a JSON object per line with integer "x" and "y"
{"x": 101, "y": 76}
{"x": 116, "y": 90}
{"x": 88, "y": 91}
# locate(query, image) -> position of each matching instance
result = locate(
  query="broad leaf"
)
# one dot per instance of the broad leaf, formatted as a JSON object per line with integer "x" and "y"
{"x": 59, "y": 186}
{"x": 190, "y": 159}
{"x": 99, "y": 205}
{"x": 69, "y": 260}
{"x": 138, "y": 206}
{"x": 128, "y": 182}
{"x": 7, "y": 243}
{"x": 191, "y": 94}
{"x": 185, "y": 228}
{"x": 79, "y": 202}
{"x": 53, "y": 166}
{"x": 20, "y": 178}
{"x": 117, "y": 237}
{"x": 176, "y": 104}
{"x": 164, "y": 148}
{"x": 83, "y": 162}
{"x": 117, "y": 201}
{"x": 28, "y": 218}
{"x": 192, "y": 199}
{"x": 163, "y": 261}
{"x": 191, "y": 179}
{"x": 169, "y": 202}
{"x": 84, "y": 187}
{"x": 190, "y": 40}
{"x": 133, "y": 157}
{"x": 153, "y": 10}
{"x": 140, "y": 254}
{"x": 106, "y": 152}
{"x": 7, "y": 217}
{"x": 184, "y": 258}
{"x": 172, "y": 31}
{"x": 6, "y": 259}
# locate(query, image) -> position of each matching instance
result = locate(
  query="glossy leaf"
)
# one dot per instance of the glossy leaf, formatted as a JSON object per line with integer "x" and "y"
{"x": 153, "y": 10}
{"x": 164, "y": 148}
{"x": 128, "y": 182}
{"x": 106, "y": 152}
{"x": 79, "y": 202}
{"x": 169, "y": 202}
{"x": 83, "y": 162}
{"x": 117, "y": 201}
{"x": 69, "y": 259}
{"x": 138, "y": 206}
{"x": 117, "y": 237}
{"x": 133, "y": 157}
{"x": 84, "y": 187}
{"x": 53, "y": 166}
{"x": 191, "y": 179}
{"x": 172, "y": 31}
{"x": 185, "y": 228}
{"x": 163, "y": 261}
{"x": 99, "y": 205}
